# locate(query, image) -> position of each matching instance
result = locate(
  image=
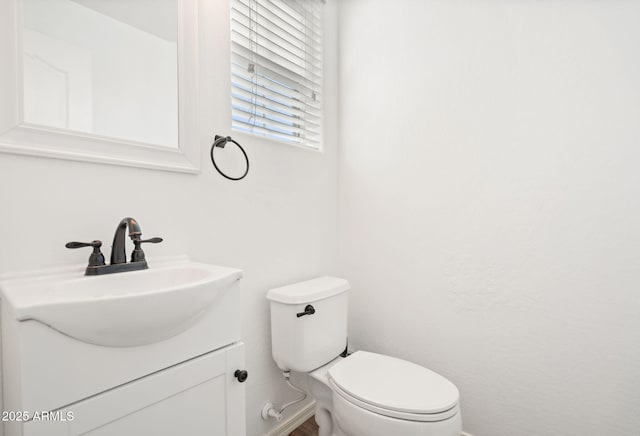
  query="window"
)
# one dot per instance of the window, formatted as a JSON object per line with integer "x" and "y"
{"x": 276, "y": 69}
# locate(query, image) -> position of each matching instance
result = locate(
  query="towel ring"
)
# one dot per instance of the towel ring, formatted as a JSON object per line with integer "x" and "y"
{"x": 221, "y": 141}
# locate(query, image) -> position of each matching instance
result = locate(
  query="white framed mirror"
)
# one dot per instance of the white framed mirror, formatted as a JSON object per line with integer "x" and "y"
{"x": 110, "y": 81}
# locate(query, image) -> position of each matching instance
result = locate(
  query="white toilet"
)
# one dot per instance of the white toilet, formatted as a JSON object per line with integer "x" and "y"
{"x": 363, "y": 394}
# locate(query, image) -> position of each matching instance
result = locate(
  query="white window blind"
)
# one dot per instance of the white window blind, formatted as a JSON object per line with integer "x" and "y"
{"x": 276, "y": 69}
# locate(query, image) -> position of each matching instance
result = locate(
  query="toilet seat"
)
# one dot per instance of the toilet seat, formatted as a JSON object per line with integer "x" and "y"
{"x": 393, "y": 387}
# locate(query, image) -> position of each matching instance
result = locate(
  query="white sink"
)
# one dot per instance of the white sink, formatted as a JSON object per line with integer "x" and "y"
{"x": 123, "y": 309}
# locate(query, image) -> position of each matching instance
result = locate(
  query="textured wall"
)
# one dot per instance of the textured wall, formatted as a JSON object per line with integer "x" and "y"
{"x": 278, "y": 225}
{"x": 489, "y": 203}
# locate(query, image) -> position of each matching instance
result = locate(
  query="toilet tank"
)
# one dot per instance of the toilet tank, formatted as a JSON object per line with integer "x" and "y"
{"x": 303, "y": 341}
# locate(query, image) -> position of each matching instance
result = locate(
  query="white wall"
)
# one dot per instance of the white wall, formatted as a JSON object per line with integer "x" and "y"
{"x": 489, "y": 212}
{"x": 278, "y": 225}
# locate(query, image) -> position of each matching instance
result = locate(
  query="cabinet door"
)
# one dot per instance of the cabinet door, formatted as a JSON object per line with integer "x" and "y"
{"x": 198, "y": 397}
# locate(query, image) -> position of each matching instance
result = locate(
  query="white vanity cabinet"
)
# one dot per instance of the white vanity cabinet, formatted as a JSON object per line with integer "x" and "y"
{"x": 154, "y": 352}
{"x": 198, "y": 397}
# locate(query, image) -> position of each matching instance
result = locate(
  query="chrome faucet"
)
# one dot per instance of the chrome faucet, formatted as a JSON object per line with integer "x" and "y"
{"x": 118, "y": 254}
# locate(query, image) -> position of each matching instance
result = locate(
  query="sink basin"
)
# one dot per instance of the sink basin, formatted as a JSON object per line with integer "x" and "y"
{"x": 119, "y": 310}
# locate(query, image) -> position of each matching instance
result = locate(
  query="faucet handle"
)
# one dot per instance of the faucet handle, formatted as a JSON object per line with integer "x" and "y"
{"x": 138, "y": 255}
{"x": 151, "y": 240}
{"x": 94, "y": 244}
{"x": 96, "y": 258}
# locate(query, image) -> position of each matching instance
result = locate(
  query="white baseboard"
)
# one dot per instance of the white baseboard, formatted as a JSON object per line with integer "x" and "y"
{"x": 464, "y": 433}
{"x": 294, "y": 421}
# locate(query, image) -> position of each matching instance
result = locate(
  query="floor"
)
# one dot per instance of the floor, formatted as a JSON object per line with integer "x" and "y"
{"x": 308, "y": 428}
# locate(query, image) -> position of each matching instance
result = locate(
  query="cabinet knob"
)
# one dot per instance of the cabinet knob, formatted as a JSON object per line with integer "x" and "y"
{"x": 241, "y": 375}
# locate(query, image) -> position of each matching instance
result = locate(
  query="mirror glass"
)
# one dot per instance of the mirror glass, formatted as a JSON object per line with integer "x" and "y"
{"x": 102, "y": 67}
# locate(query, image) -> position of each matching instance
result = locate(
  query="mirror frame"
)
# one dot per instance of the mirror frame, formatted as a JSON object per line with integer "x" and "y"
{"x": 18, "y": 137}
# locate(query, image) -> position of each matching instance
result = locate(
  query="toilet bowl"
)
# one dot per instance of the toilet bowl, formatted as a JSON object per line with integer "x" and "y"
{"x": 363, "y": 394}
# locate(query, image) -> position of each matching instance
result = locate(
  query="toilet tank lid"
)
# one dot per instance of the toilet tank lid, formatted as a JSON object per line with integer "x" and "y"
{"x": 308, "y": 291}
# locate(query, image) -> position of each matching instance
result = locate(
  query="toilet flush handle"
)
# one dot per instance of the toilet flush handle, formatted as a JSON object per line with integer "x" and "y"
{"x": 309, "y": 310}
